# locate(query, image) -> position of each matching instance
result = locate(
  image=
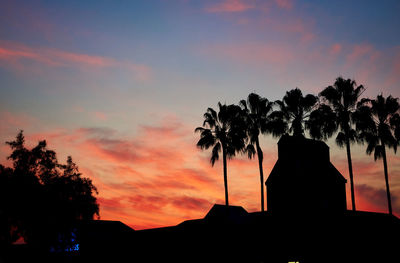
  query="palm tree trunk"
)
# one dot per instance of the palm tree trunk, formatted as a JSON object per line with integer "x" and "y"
{"x": 353, "y": 201}
{"x": 260, "y": 166}
{"x": 225, "y": 176}
{"x": 386, "y": 179}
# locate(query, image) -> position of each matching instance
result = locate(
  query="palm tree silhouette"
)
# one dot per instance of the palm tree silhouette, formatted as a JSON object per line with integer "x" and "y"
{"x": 257, "y": 111}
{"x": 322, "y": 122}
{"x": 379, "y": 121}
{"x": 342, "y": 97}
{"x": 224, "y": 132}
{"x": 295, "y": 109}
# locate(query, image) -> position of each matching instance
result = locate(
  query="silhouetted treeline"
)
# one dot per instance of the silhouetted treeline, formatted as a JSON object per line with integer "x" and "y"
{"x": 40, "y": 199}
{"x": 337, "y": 110}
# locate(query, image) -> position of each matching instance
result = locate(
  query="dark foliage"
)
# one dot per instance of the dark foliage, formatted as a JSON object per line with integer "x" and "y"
{"x": 257, "y": 112}
{"x": 225, "y": 132}
{"x": 339, "y": 103}
{"x": 294, "y": 110}
{"x": 41, "y": 199}
{"x": 378, "y": 121}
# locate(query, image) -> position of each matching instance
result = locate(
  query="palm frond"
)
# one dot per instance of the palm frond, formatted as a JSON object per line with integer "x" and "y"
{"x": 341, "y": 139}
{"x": 372, "y": 141}
{"x": 395, "y": 124}
{"x": 322, "y": 123}
{"x": 392, "y": 105}
{"x": 363, "y": 118}
{"x": 199, "y": 129}
{"x": 364, "y": 102}
{"x": 277, "y": 125}
{"x": 213, "y": 113}
{"x": 209, "y": 119}
{"x": 207, "y": 139}
{"x": 215, "y": 153}
{"x": 243, "y": 104}
{"x": 378, "y": 152}
{"x": 254, "y": 103}
{"x": 359, "y": 91}
{"x": 250, "y": 150}
{"x": 353, "y": 136}
{"x": 330, "y": 95}
{"x": 309, "y": 101}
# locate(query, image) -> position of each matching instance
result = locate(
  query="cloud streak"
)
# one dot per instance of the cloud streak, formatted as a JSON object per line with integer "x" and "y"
{"x": 158, "y": 177}
{"x": 239, "y": 6}
{"x": 230, "y": 6}
{"x": 20, "y": 57}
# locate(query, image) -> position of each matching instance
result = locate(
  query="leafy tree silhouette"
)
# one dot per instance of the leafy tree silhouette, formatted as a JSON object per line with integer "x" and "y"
{"x": 7, "y": 233}
{"x": 224, "y": 132}
{"x": 78, "y": 192}
{"x": 294, "y": 110}
{"x": 44, "y": 198}
{"x": 379, "y": 122}
{"x": 258, "y": 121}
{"x": 342, "y": 98}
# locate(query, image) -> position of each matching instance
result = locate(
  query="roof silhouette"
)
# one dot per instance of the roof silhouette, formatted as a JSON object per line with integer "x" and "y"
{"x": 218, "y": 212}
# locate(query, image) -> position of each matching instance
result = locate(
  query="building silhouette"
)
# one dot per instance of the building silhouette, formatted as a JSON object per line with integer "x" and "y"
{"x": 304, "y": 180}
{"x": 306, "y": 221}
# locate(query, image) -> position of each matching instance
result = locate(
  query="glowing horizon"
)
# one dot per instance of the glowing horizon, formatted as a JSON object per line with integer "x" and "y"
{"x": 121, "y": 88}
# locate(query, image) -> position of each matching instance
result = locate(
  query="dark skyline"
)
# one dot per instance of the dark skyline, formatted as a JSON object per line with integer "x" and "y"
{"x": 101, "y": 81}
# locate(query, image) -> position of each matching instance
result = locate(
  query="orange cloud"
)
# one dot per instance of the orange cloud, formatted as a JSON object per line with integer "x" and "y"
{"x": 101, "y": 116}
{"x": 17, "y": 55}
{"x": 158, "y": 177}
{"x": 152, "y": 179}
{"x": 11, "y": 120}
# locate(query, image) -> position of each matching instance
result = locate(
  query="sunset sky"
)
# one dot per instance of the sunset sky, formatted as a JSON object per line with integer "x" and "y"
{"x": 121, "y": 86}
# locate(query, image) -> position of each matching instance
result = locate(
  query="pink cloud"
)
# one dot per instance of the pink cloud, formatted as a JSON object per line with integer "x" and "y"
{"x": 253, "y": 53}
{"x": 335, "y": 49}
{"x": 285, "y": 4}
{"x": 15, "y": 55}
{"x": 393, "y": 78}
{"x": 237, "y": 6}
{"x": 65, "y": 58}
{"x": 295, "y": 27}
{"x": 230, "y": 6}
{"x": 363, "y": 52}
{"x": 101, "y": 116}
{"x": 8, "y": 54}
{"x": 15, "y": 120}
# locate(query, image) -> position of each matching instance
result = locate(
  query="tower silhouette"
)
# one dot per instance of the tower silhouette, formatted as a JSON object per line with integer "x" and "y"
{"x": 304, "y": 179}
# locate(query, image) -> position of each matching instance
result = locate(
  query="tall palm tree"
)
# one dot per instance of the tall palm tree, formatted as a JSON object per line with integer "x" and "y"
{"x": 257, "y": 111}
{"x": 295, "y": 109}
{"x": 224, "y": 132}
{"x": 342, "y": 98}
{"x": 379, "y": 121}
